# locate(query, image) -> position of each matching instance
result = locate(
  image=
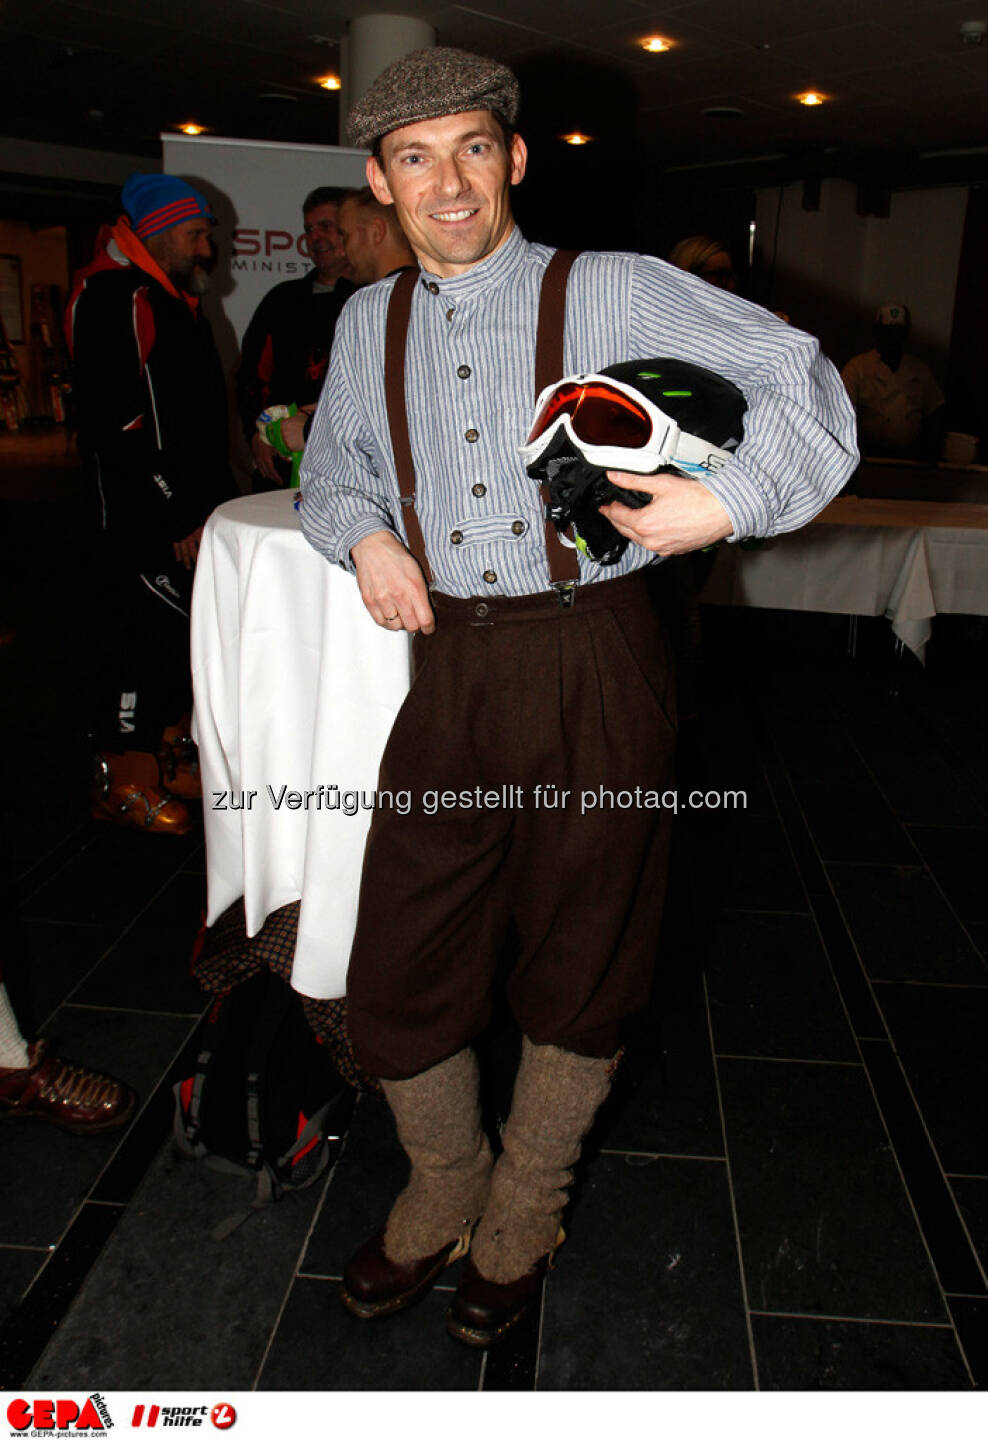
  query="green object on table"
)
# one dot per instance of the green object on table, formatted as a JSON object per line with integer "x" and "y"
{"x": 278, "y": 443}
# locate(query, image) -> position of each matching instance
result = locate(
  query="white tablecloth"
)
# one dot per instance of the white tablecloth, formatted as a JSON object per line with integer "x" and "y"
{"x": 900, "y": 559}
{"x": 295, "y": 686}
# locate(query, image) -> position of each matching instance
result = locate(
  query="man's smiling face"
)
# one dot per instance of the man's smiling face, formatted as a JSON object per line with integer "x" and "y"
{"x": 323, "y": 242}
{"x": 449, "y": 180}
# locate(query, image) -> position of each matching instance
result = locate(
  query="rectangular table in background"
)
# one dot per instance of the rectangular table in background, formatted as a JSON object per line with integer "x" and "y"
{"x": 909, "y": 560}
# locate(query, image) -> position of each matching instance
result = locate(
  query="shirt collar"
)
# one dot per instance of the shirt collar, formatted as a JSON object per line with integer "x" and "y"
{"x": 500, "y": 266}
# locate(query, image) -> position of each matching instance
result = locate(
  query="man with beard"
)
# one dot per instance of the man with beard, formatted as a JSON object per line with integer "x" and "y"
{"x": 151, "y": 411}
{"x": 285, "y": 349}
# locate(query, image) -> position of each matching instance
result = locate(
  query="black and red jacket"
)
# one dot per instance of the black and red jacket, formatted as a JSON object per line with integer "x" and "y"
{"x": 149, "y": 394}
{"x": 285, "y": 349}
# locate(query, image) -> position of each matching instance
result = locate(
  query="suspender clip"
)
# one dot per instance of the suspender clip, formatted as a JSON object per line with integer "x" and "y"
{"x": 408, "y": 499}
{"x": 565, "y": 593}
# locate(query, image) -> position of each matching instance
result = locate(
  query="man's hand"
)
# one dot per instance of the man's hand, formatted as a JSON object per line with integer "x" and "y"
{"x": 264, "y": 460}
{"x": 392, "y": 585}
{"x": 293, "y": 427}
{"x": 187, "y": 550}
{"x": 683, "y": 515}
{"x": 293, "y": 431}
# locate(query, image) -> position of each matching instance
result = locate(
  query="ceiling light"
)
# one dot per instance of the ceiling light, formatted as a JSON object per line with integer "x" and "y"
{"x": 576, "y": 138}
{"x": 655, "y": 45}
{"x": 331, "y": 82}
{"x": 191, "y": 128}
{"x": 811, "y": 97}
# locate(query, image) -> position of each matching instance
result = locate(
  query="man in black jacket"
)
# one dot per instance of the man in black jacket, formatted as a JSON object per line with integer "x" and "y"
{"x": 285, "y": 349}
{"x": 152, "y": 417}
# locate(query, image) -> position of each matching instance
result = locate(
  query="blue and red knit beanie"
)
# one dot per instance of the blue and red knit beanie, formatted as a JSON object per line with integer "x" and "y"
{"x": 156, "y": 202}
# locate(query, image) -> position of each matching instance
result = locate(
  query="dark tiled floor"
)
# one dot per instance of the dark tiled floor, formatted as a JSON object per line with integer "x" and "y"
{"x": 789, "y": 1187}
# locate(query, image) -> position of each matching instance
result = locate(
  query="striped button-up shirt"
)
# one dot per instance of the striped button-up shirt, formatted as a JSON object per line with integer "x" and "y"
{"x": 470, "y": 392}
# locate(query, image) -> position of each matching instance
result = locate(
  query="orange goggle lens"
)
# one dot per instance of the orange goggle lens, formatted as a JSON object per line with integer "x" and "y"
{"x": 598, "y": 414}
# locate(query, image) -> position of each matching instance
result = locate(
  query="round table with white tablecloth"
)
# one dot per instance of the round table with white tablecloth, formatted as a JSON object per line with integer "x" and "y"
{"x": 296, "y": 690}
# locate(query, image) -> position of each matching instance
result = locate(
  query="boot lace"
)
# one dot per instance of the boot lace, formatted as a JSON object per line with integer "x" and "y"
{"x": 78, "y": 1088}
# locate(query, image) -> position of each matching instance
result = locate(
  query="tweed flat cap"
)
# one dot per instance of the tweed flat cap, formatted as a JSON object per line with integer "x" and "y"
{"x": 428, "y": 84}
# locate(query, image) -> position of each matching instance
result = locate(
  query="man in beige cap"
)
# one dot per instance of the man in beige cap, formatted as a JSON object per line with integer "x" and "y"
{"x": 541, "y": 675}
{"x": 898, "y": 402}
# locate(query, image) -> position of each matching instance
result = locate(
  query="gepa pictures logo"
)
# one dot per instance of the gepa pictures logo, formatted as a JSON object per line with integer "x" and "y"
{"x": 58, "y": 1417}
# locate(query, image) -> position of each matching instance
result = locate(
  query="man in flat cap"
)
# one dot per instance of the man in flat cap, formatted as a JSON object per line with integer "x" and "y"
{"x": 152, "y": 414}
{"x": 541, "y": 676}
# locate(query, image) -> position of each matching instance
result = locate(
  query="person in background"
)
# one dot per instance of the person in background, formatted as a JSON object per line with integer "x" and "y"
{"x": 898, "y": 402}
{"x": 373, "y": 241}
{"x": 152, "y": 417}
{"x": 707, "y": 258}
{"x": 285, "y": 349}
{"x": 534, "y": 666}
{"x": 375, "y": 247}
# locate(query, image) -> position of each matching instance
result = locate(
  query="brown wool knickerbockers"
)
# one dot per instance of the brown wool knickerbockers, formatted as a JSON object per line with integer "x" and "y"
{"x": 512, "y": 693}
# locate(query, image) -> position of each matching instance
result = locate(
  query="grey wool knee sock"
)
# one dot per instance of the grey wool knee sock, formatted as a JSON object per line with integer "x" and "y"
{"x": 437, "y": 1114}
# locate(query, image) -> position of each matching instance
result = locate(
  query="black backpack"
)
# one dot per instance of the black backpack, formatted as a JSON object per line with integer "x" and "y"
{"x": 265, "y": 1097}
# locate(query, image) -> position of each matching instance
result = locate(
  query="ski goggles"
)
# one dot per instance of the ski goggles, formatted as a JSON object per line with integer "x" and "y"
{"x": 615, "y": 427}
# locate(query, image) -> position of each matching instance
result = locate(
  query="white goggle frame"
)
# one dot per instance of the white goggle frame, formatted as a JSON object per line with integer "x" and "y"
{"x": 668, "y": 444}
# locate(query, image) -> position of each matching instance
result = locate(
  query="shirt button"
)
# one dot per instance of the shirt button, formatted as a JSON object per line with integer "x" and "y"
{"x": 432, "y": 287}
{"x": 518, "y": 527}
{"x": 481, "y": 610}
{"x": 450, "y": 313}
{"x": 490, "y": 576}
{"x": 471, "y": 435}
{"x": 456, "y": 538}
{"x": 480, "y": 491}
{"x": 464, "y": 372}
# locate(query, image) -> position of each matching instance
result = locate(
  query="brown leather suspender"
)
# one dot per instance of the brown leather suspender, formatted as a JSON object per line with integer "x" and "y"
{"x": 564, "y": 566}
{"x": 399, "y": 311}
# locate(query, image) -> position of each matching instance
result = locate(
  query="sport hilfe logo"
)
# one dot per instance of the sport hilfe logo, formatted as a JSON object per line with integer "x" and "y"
{"x": 222, "y": 1416}
{"x": 59, "y": 1416}
{"x": 151, "y": 1415}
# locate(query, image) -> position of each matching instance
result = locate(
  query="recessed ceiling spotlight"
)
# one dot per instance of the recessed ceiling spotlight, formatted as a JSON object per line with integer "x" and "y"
{"x": 577, "y": 138}
{"x": 656, "y": 45}
{"x": 331, "y": 82}
{"x": 811, "y": 97}
{"x": 191, "y": 128}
